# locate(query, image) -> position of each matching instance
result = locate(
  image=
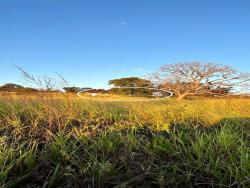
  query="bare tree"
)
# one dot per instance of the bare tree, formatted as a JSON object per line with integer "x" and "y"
{"x": 196, "y": 78}
{"x": 44, "y": 83}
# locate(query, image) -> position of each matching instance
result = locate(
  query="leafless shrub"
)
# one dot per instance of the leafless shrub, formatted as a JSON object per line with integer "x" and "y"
{"x": 43, "y": 83}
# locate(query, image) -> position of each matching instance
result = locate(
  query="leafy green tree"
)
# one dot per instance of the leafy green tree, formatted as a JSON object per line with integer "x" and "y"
{"x": 16, "y": 88}
{"x": 11, "y": 87}
{"x": 134, "y": 83}
{"x": 72, "y": 89}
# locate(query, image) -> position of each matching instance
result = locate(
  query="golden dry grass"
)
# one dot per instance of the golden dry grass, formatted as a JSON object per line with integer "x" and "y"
{"x": 61, "y": 140}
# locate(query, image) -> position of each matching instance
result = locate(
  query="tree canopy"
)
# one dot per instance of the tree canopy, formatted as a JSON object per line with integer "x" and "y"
{"x": 73, "y": 89}
{"x": 195, "y": 78}
{"x": 132, "y": 82}
{"x": 10, "y": 87}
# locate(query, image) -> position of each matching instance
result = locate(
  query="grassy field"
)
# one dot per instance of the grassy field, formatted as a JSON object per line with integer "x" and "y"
{"x": 50, "y": 140}
{"x": 114, "y": 98}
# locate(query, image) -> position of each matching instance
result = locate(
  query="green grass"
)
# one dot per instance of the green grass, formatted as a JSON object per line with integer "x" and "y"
{"x": 67, "y": 142}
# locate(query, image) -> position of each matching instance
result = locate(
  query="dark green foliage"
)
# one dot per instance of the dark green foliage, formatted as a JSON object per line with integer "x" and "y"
{"x": 73, "y": 89}
{"x": 16, "y": 88}
{"x": 131, "y": 82}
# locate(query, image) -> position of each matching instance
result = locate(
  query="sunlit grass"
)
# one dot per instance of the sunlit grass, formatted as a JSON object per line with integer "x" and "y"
{"x": 56, "y": 140}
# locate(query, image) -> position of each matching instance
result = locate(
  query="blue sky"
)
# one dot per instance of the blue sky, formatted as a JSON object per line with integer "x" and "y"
{"x": 92, "y": 41}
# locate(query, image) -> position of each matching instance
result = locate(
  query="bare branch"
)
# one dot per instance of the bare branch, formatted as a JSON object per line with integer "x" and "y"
{"x": 44, "y": 83}
{"x": 199, "y": 78}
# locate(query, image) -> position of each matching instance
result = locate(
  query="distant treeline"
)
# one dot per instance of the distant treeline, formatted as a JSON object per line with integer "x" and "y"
{"x": 119, "y": 88}
{"x": 183, "y": 79}
{"x": 10, "y": 87}
{"x": 132, "y": 82}
{"x": 122, "y": 86}
{"x": 16, "y": 88}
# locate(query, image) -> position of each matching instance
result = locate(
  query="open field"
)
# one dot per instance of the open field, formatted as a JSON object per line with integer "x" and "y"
{"x": 112, "y": 97}
{"x": 50, "y": 140}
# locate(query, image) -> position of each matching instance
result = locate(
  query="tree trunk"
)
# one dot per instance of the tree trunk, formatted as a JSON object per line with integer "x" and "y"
{"x": 182, "y": 96}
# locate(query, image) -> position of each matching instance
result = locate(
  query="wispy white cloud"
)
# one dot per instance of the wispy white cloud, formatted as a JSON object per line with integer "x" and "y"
{"x": 137, "y": 69}
{"x": 132, "y": 70}
{"x": 121, "y": 24}
{"x": 124, "y": 70}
